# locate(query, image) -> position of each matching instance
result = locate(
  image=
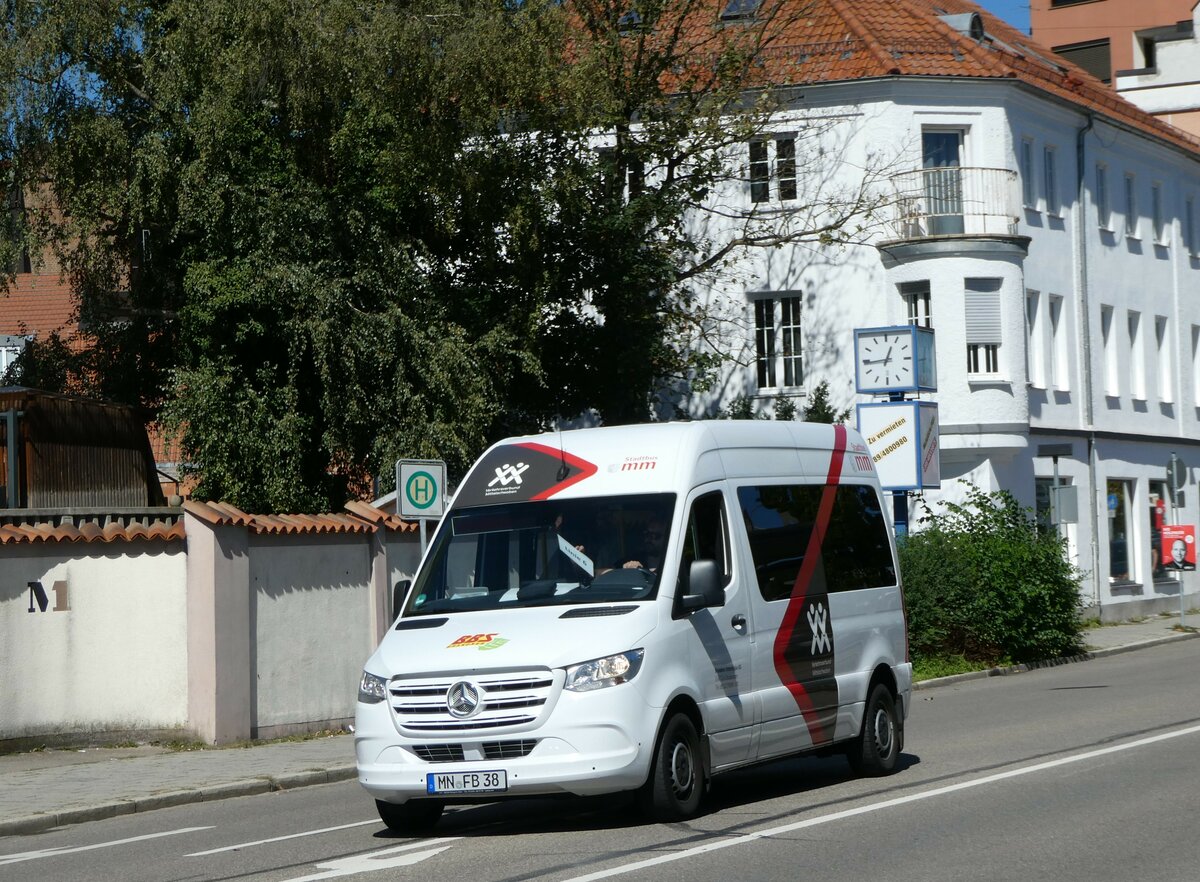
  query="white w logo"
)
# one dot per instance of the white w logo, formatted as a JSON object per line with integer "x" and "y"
{"x": 818, "y": 621}
{"x": 506, "y": 474}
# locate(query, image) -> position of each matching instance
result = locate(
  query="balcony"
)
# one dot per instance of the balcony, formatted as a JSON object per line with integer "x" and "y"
{"x": 939, "y": 202}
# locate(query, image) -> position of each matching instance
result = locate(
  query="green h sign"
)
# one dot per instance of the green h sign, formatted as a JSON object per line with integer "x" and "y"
{"x": 420, "y": 488}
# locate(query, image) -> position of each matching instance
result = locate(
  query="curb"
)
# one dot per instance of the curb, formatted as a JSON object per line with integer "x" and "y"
{"x": 1006, "y": 670}
{"x": 249, "y": 787}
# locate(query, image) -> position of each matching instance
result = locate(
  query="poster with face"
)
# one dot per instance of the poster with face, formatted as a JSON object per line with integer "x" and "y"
{"x": 1179, "y": 547}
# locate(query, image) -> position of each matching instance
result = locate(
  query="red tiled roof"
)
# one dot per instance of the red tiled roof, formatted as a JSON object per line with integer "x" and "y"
{"x": 162, "y": 530}
{"x": 221, "y": 513}
{"x": 362, "y": 518}
{"x": 824, "y": 41}
{"x": 385, "y": 519}
{"x": 224, "y": 514}
{"x": 38, "y": 303}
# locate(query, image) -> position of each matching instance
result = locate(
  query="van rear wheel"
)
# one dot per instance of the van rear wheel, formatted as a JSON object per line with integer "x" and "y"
{"x": 411, "y": 818}
{"x": 877, "y": 748}
{"x": 676, "y": 783}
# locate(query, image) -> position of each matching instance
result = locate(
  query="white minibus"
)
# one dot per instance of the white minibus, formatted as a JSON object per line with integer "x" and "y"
{"x": 640, "y": 608}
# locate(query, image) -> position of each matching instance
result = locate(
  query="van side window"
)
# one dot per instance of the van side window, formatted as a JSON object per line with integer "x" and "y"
{"x": 855, "y": 553}
{"x": 707, "y": 538}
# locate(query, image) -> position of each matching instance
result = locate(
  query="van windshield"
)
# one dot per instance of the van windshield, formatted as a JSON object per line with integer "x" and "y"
{"x": 594, "y": 550}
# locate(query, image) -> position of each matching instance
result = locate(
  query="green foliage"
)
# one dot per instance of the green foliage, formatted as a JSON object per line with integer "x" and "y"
{"x": 316, "y": 237}
{"x": 983, "y": 582}
{"x": 932, "y": 667}
{"x": 818, "y": 409}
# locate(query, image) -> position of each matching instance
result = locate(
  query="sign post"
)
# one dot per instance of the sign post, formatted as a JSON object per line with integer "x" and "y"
{"x": 420, "y": 491}
{"x": 1176, "y": 479}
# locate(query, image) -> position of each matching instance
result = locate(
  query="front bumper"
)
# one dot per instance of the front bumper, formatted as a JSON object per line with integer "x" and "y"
{"x": 589, "y": 744}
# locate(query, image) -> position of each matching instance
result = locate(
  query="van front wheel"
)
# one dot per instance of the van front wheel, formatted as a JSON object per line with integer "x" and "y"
{"x": 877, "y": 748}
{"x": 676, "y": 783}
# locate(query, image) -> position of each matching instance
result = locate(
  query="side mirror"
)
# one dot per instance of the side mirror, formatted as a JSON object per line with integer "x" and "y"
{"x": 704, "y": 587}
{"x": 399, "y": 592}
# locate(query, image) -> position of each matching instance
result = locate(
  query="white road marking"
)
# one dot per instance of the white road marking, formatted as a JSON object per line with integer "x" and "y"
{"x": 282, "y": 838}
{"x": 879, "y": 806}
{"x": 68, "y": 849}
{"x": 377, "y": 860}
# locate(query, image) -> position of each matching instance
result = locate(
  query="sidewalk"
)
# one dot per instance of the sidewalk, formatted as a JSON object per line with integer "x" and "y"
{"x": 51, "y": 788}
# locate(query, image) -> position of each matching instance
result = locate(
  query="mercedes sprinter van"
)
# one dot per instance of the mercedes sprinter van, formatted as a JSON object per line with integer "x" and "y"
{"x": 641, "y": 608}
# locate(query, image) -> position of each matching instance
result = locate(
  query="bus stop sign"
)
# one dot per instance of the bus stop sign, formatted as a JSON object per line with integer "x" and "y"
{"x": 421, "y": 488}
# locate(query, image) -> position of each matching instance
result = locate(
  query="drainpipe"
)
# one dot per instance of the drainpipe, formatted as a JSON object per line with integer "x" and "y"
{"x": 1085, "y": 331}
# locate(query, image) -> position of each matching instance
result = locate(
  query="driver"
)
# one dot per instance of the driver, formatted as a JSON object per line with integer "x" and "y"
{"x": 654, "y": 544}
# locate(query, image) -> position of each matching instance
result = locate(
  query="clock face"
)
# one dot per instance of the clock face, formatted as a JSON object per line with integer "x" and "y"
{"x": 886, "y": 359}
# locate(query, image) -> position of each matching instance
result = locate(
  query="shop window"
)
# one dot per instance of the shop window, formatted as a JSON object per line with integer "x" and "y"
{"x": 1120, "y": 538}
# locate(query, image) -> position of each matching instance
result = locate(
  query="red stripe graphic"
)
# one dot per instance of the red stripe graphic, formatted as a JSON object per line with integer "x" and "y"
{"x": 586, "y": 469}
{"x": 800, "y": 589}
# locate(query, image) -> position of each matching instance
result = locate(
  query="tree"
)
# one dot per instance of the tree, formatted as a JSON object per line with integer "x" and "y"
{"x": 820, "y": 410}
{"x": 317, "y": 237}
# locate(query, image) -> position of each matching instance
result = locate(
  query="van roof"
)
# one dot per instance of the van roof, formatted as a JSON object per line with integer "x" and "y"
{"x": 650, "y": 458}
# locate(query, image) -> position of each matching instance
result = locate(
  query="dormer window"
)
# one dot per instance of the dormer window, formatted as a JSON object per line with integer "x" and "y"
{"x": 740, "y": 10}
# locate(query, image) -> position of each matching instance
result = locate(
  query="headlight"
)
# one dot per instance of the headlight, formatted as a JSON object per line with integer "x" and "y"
{"x": 599, "y": 673}
{"x": 372, "y": 689}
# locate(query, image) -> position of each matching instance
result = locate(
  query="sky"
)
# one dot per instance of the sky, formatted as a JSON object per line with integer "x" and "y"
{"x": 1015, "y": 12}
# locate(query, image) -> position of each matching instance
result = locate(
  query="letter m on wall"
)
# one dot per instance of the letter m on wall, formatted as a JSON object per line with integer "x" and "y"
{"x": 37, "y": 594}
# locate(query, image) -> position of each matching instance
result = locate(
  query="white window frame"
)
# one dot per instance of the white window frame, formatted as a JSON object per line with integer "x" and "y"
{"x": 918, "y": 303}
{"x": 983, "y": 318}
{"x": 1103, "y": 207}
{"x": 1028, "y": 183}
{"x": 1060, "y": 377}
{"x": 771, "y": 177}
{"x": 1131, "y": 207}
{"x": 1050, "y": 180}
{"x": 778, "y": 321}
{"x": 1035, "y": 349}
{"x": 1137, "y": 355}
{"x": 1112, "y": 374}
{"x": 1166, "y": 366}
{"x": 1158, "y": 223}
{"x": 1196, "y": 367}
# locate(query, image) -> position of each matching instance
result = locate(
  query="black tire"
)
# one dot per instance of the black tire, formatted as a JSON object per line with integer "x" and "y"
{"x": 676, "y": 783}
{"x": 877, "y": 748}
{"x": 412, "y": 818}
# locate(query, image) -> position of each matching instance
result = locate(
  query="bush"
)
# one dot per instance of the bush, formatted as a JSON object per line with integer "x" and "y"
{"x": 984, "y": 582}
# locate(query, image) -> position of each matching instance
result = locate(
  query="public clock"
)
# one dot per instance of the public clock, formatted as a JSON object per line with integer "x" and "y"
{"x": 894, "y": 359}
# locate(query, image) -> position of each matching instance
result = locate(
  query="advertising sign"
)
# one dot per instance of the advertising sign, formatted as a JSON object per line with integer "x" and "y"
{"x": 903, "y": 439}
{"x": 1179, "y": 547}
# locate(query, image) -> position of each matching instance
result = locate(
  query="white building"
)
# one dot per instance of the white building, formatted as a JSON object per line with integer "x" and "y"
{"x": 1045, "y": 228}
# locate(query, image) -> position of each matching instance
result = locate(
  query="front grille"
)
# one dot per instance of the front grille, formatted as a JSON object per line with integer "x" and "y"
{"x": 495, "y": 750}
{"x": 440, "y": 753}
{"x": 491, "y": 750}
{"x": 419, "y": 705}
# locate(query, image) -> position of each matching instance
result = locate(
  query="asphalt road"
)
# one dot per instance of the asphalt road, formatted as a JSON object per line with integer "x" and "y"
{"x": 1079, "y": 772}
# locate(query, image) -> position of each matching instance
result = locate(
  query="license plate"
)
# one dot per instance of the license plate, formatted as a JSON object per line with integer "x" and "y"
{"x": 466, "y": 782}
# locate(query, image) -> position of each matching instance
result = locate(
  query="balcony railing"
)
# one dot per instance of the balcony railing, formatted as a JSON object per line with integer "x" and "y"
{"x": 933, "y": 202}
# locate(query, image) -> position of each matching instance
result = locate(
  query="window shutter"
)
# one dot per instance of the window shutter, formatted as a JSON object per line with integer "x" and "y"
{"x": 981, "y": 301}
